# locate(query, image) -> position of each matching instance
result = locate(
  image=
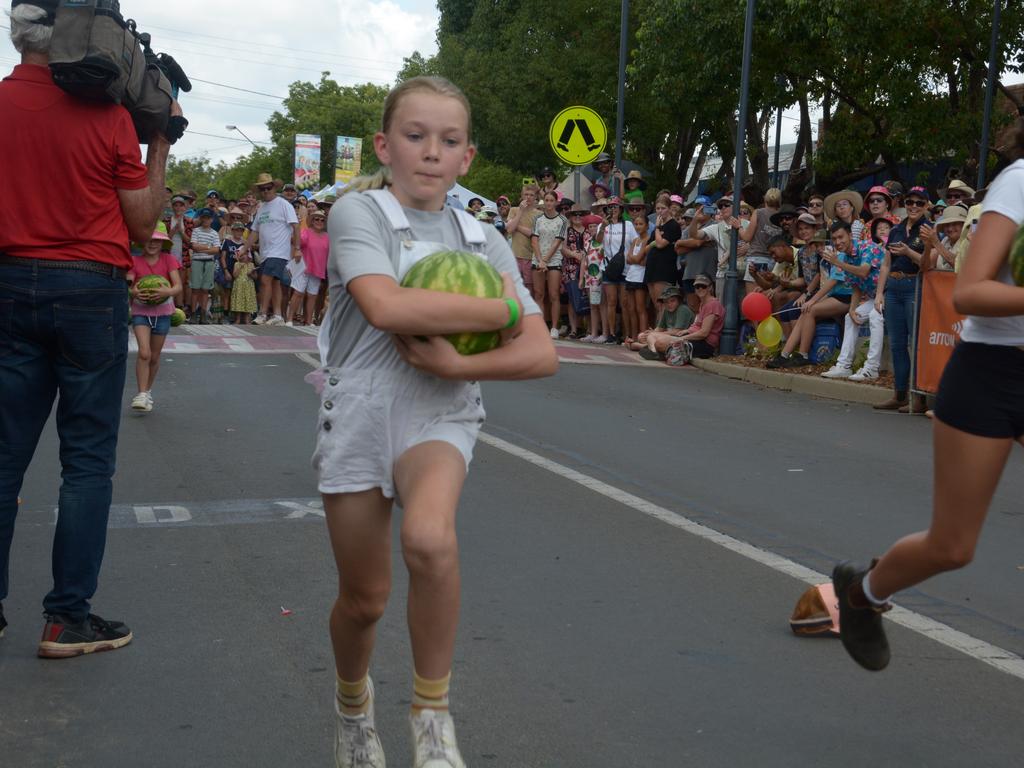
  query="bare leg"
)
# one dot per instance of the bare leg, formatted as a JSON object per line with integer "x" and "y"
{"x": 309, "y": 318}
{"x": 156, "y": 344}
{"x": 359, "y": 525}
{"x": 266, "y": 289}
{"x": 628, "y": 314}
{"x": 554, "y": 281}
{"x": 429, "y": 479}
{"x": 540, "y": 290}
{"x": 609, "y": 304}
{"x": 142, "y": 337}
{"x": 967, "y": 471}
{"x": 276, "y": 294}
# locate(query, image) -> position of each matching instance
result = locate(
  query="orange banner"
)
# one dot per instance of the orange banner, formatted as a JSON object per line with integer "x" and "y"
{"x": 938, "y": 329}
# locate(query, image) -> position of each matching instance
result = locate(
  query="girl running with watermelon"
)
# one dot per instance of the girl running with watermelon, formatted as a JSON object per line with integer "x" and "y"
{"x": 400, "y": 406}
{"x": 155, "y": 281}
{"x": 978, "y": 416}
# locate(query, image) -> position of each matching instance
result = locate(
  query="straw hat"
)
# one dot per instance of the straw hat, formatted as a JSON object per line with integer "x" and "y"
{"x": 954, "y": 214}
{"x": 637, "y": 176}
{"x": 266, "y": 178}
{"x": 600, "y": 204}
{"x": 852, "y": 195}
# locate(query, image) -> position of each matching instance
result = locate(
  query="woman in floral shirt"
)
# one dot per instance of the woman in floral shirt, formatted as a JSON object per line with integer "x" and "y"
{"x": 574, "y": 252}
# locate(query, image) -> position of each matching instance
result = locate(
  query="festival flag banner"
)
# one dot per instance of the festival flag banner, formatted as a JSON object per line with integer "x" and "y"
{"x": 938, "y": 329}
{"x": 348, "y": 159}
{"x": 307, "y": 161}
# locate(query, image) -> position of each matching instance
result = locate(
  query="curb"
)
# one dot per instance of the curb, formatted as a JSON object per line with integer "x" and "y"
{"x": 848, "y": 391}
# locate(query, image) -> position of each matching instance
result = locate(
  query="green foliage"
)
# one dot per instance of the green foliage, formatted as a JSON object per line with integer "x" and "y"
{"x": 189, "y": 173}
{"x": 491, "y": 179}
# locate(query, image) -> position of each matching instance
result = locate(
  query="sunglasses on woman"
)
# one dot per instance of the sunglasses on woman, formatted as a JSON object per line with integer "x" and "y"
{"x": 915, "y": 203}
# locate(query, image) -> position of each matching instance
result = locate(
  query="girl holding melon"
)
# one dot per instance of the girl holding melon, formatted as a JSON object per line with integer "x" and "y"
{"x": 155, "y": 281}
{"x": 979, "y": 414}
{"x": 400, "y": 406}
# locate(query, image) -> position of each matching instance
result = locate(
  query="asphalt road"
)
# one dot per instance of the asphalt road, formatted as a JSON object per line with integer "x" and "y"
{"x": 591, "y": 634}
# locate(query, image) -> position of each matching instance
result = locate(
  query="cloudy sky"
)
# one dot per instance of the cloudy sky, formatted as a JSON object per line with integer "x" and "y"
{"x": 264, "y": 46}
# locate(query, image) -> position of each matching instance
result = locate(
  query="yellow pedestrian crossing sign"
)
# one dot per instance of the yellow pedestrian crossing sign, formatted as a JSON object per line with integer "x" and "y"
{"x": 577, "y": 135}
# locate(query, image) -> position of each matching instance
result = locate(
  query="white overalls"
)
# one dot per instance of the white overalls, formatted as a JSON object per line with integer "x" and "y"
{"x": 369, "y": 418}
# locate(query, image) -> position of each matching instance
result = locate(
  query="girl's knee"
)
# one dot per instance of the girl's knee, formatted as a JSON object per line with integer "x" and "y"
{"x": 951, "y": 556}
{"x": 429, "y": 547}
{"x": 363, "y": 605}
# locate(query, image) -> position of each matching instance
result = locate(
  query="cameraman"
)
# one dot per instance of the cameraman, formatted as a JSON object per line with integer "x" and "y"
{"x": 64, "y": 311}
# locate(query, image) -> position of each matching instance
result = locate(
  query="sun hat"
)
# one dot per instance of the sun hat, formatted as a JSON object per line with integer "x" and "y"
{"x": 592, "y": 218}
{"x": 702, "y": 279}
{"x": 266, "y": 178}
{"x": 878, "y": 189}
{"x": 564, "y": 202}
{"x": 577, "y": 210}
{"x": 289, "y": 187}
{"x": 317, "y": 214}
{"x": 677, "y": 199}
{"x": 545, "y": 171}
{"x": 503, "y": 198}
{"x": 637, "y": 202}
{"x": 236, "y": 211}
{"x": 635, "y": 175}
{"x": 615, "y": 201}
{"x": 956, "y": 184}
{"x": 489, "y": 210}
{"x": 806, "y": 218}
{"x": 165, "y": 241}
{"x": 954, "y": 214}
{"x": 599, "y": 183}
{"x": 894, "y": 187}
{"x": 850, "y": 195}
{"x": 601, "y": 203}
{"x": 604, "y": 157}
{"x": 785, "y": 210}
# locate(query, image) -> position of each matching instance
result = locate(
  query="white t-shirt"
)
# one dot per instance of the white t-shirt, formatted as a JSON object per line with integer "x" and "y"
{"x": 273, "y": 222}
{"x": 612, "y": 238}
{"x": 1006, "y": 196}
{"x": 635, "y": 272}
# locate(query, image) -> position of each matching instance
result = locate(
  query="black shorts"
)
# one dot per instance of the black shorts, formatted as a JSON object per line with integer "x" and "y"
{"x": 631, "y": 286}
{"x": 981, "y": 391}
{"x": 535, "y": 268}
{"x": 846, "y": 298}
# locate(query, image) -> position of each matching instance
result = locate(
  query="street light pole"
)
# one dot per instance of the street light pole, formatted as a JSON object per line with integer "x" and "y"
{"x": 620, "y": 111}
{"x": 730, "y": 332}
{"x": 780, "y": 81}
{"x": 990, "y": 87}
{"x": 236, "y": 128}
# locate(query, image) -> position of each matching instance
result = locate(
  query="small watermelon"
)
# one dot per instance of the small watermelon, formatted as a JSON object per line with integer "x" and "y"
{"x": 150, "y": 282}
{"x": 1017, "y": 258}
{"x": 177, "y": 317}
{"x": 465, "y": 273}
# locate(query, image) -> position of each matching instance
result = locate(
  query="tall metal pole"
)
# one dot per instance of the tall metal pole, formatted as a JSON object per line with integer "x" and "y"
{"x": 990, "y": 87}
{"x": 730, "y": 332}
{"x": 778, "y": 140}
{"x": 620, "y": 111}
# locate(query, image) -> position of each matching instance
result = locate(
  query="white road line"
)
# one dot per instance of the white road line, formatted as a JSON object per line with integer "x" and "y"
{"x": 215, "y": 330}
{"x": 1001, "y": 659}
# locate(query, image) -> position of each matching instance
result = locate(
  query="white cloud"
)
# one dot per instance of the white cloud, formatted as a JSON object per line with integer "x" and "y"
{"x": 264, "y": 46}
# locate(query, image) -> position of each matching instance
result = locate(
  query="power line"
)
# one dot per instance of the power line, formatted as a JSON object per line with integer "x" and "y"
{"x": 236, "y": 88}
{"x": 215, "y": 136}
{"x": 290, "y": 49}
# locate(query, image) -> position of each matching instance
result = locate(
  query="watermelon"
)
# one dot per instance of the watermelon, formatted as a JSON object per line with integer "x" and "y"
{"x": 1017, "y": 258}
{"x": 177, "y": 317}
{"x": 465, "y": 273}
{"x": 150, "y": 282}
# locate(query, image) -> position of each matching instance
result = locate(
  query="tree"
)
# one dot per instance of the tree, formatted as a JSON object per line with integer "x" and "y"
{"x": 189, "y": 173}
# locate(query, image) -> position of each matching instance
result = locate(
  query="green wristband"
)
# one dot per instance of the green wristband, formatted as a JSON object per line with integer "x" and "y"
{"x": 513, "y": 313}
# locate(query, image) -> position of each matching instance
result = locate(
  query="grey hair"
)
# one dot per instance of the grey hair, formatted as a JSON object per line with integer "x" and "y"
{"x": 27, "y": 34}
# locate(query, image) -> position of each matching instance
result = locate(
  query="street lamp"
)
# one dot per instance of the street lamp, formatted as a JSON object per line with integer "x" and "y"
{"x": 990, "y": 87}
{"x": 236, "y": 128}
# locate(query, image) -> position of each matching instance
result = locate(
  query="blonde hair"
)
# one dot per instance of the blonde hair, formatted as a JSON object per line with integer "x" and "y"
{"x": 438, "y": 86}
{"x": 773, "y": 198}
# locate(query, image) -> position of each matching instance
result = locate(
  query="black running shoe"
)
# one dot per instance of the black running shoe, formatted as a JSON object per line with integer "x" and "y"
{"x": 3, "y": 621}
{"x": 776, "y": 362}
{"x": 860, "y": 627}
{"x": 796, "y": 360}
{"x": 646, "y": 354}
{"x": 63, "y": 638}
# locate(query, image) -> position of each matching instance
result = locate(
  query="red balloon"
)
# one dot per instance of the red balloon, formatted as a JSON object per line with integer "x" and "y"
{"x": 756, "y": 307}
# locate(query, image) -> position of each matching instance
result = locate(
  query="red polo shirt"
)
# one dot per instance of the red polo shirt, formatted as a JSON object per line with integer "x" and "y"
{"x": 62, "y": 161}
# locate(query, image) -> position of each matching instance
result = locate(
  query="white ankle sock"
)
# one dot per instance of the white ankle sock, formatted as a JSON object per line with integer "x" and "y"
{"x": 866, "y": 587}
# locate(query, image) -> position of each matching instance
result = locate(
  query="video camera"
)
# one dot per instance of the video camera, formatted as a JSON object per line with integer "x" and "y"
{"x": 96, "y": 54}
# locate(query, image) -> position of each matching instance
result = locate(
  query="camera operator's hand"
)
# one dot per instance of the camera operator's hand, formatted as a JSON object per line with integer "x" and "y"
{"x": 176, "y": 123}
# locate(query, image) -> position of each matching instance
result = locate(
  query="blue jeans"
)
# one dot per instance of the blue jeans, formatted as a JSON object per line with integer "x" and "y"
{"x": 899, "y": 324}
{"x": 62, "y": 331}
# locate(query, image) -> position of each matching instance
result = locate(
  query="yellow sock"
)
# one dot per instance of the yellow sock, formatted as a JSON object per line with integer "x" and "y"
{"x": 430, "y": 694}
{"x": 353, "y": 698}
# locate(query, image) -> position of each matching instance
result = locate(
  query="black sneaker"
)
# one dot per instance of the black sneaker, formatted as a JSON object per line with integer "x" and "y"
{"x": 796, "y": 360}
{"x": 3, "y": 621}
{"x": 613, "y": 340}
{"x": 776, "y": 362}
{"x": 62, "y": 638}
{"x": 646, "y": 354}
{"x": 860, "y": 627}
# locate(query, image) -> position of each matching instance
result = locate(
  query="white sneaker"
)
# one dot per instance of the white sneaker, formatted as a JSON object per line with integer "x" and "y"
{"x": 288, "y": 324}
{"x": 433, "y": 738}
{"x": 837, "y": 372}
{"x": 554, "y": 333}
{"x": 589, "y": 338}
{"x": 141, "y": 402}
{"x": 259, "y": 320}
{"x": 864, "y": 374}
{"x": 276, "y": 320}
{"x": 356, "y": 744}
{"x": 599, "y": 339}
{"x": 149, "y": 399}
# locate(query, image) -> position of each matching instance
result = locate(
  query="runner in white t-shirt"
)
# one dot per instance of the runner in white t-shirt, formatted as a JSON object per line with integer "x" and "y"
{"x": 978, "y": 416}
{"x": 275, "y": 231}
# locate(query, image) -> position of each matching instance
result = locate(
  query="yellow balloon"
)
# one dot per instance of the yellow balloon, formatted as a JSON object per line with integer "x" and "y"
{"x": 769, "y": 332}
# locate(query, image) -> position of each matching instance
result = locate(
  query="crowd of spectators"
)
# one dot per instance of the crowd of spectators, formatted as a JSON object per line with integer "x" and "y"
{"x": 617, "y": 271}
{"x": 637, "y": 269}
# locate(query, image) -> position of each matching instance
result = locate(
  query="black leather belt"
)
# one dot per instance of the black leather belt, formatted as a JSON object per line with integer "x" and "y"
{"x": 85, "y": 266}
